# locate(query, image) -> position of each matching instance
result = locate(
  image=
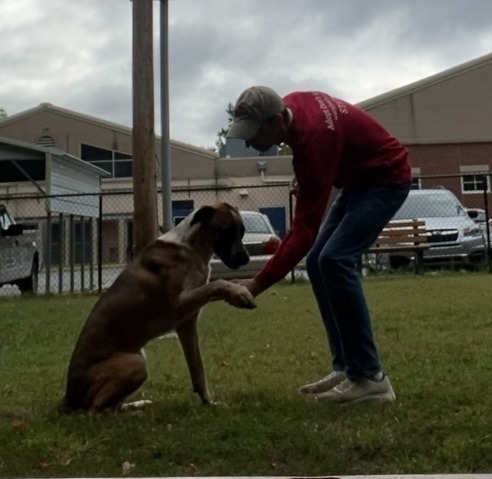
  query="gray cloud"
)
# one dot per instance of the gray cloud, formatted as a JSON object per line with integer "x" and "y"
{"x": 78, "y": 55}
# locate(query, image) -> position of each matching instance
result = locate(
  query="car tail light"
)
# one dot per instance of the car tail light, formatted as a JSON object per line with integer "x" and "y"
{"x": 270, "y": 246}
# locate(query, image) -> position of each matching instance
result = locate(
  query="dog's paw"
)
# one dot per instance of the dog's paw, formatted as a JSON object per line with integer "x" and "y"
{"x": 219, "y": 404}
{"x": 135, "y": 405}
{"x": 240, "y": 297}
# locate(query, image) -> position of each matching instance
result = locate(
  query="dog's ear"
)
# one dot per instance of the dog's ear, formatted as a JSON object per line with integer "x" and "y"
{"x": 204, "y": 215}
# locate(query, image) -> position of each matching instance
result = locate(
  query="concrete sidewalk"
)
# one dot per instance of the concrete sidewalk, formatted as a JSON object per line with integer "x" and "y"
{"x": 383, "y": 476}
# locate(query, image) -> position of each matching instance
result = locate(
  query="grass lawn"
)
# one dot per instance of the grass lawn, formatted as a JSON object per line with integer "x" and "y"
{"x": 435, "y": 339}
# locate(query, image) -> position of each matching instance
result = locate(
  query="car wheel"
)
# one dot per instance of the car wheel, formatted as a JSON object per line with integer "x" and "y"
{"x": 30, "y": 284}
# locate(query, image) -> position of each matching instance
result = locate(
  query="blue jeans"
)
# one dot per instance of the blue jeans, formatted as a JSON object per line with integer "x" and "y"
{"x": 351, "y": 227}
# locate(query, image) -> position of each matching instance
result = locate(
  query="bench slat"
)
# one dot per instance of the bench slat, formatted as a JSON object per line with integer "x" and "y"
{"x": 406, "y": 223}
{"x": 397, "y": 248}
{"x": 406, "y": 238}
{"x": 403, "y": 236}
{"x": 402, "y": 231}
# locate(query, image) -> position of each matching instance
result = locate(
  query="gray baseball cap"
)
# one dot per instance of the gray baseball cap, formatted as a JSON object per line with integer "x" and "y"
{"x": 253, "y": 107}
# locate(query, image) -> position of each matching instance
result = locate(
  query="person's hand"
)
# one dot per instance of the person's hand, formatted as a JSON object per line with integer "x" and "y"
{"x": 251, "y": 284}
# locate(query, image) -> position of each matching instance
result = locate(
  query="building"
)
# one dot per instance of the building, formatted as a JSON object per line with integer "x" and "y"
{"x": 445, "y": 121}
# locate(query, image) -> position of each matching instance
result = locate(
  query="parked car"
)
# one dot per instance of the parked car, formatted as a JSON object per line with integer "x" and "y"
{"x": 453, "y": 235}
{"x": 261, "y": 242}
{"x": 479, "y": 216}
{"x": 19, "y": 255}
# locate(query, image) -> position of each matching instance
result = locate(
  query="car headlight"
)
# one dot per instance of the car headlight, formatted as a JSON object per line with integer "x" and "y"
{"x": 472, "y": 231}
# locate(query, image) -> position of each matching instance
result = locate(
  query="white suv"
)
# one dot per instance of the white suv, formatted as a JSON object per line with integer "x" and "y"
{"x": 453, "y": 235}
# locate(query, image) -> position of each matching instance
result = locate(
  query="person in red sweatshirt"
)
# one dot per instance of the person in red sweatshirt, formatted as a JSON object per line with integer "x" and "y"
{"x": 334, "y": 144}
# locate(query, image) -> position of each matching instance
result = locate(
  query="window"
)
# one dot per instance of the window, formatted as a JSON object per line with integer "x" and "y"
{"x": 181, "y": 209}
{"x": 116, "y": 163}
{"x": 416, "y": 180}
{"x": 475, "y": 182}
{"x": 416, "y": 184}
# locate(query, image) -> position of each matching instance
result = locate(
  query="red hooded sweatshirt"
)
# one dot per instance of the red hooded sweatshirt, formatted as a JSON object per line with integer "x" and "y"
{"x": 336, "y": 144}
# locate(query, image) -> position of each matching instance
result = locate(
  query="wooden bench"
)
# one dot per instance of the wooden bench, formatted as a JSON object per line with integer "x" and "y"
{"x": 403, "y": 236}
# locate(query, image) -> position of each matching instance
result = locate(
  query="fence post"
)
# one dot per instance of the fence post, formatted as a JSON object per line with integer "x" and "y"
{"x": 47, "y": 249}
{"x": 62, "y": 253}
{"x": 91, "y": 254}
{"x": 72, "y": 253}
{"x": 82, "y": 254}
{"x": 291, "y": 215}
{"x": 487, "y": 226}
{"x": 99, "y": 244}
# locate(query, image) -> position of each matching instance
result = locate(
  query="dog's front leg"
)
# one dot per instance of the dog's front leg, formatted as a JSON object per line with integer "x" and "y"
{"x": 188, "y": 337}
{"x": 190, "y": 301}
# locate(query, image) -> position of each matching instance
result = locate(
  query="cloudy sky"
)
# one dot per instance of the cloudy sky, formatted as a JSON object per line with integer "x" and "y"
{"x": 78, "y": 54}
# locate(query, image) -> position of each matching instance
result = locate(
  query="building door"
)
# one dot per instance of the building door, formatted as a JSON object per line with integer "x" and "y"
{"x": 276, "y": 215}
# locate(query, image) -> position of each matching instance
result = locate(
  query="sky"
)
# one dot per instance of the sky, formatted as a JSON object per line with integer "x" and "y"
{"x": 78, "y": 54}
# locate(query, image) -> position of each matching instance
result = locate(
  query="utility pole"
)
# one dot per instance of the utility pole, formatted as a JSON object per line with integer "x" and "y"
{"x": 144, "y": 165}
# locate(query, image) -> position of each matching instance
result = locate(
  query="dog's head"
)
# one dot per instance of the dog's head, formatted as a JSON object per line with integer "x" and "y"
{"x": 225, "y": 230}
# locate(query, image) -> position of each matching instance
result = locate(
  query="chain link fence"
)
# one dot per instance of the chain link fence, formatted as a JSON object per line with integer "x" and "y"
{"x": 77, "y": 253}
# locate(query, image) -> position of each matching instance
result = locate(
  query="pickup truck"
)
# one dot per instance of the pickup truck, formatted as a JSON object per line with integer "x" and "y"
{"x": 19, "y": 253}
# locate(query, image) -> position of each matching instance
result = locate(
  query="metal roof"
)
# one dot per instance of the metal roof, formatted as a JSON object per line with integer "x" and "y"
{"x": 49, "y": 107}
{"x": 72, "y": 185}
{"x": 426, "y": 82}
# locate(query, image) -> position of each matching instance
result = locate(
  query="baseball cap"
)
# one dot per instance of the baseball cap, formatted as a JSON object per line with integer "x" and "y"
{"x": 253, "y": 107}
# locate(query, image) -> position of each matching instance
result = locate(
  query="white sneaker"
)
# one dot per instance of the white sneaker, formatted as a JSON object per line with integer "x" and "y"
{"x": 325, "y": 384}
{"x": 359, "y": 390}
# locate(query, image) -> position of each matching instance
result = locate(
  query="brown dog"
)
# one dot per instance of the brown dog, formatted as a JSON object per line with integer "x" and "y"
{"x": 161, "y": 290}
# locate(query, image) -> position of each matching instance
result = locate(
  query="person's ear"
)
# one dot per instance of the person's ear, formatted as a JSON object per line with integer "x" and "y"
{"x": 278, "y": 120}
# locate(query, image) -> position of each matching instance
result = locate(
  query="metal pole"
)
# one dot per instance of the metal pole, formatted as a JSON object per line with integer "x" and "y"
{"x": 165, "y": 142}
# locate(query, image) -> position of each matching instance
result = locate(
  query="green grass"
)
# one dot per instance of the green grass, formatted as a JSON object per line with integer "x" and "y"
{"x": 435, "y": 338}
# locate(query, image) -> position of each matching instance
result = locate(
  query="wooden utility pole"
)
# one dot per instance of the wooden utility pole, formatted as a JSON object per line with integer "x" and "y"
{"x": 144, "y": 163}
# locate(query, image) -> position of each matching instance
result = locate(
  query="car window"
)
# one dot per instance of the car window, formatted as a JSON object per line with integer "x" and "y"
{"x": 5, "y": 220}
{"x": 255, "y": 224}
{"x": 429, "y": 206}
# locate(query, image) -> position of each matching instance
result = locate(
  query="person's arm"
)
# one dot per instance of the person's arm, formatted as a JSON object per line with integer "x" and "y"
{"x": 315, "y": 184}
{"x": 296, "y": 244}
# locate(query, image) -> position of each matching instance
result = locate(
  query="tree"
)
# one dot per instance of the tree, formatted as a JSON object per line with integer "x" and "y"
{"x": 222, "y": 133}
{"x": 284, "y": 149}
{"x": 3, "y": 114}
